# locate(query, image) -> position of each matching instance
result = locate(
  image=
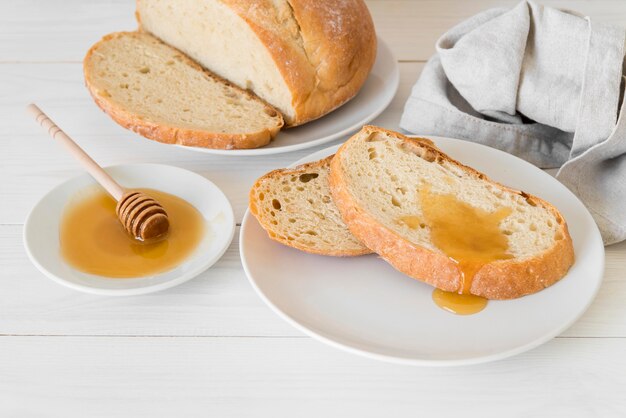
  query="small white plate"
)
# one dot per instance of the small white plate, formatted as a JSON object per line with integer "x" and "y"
{"x": 364, "y": 306}
{"x": 41, "y": 231}
{"x": 374, "y": 97}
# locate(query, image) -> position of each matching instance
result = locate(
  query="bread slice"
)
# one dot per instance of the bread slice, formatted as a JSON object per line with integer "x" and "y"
{"x": 377, "y": 180}
{"x": 154, "y": 90}
{"x": 295, "y": 208}
{"x": 305, "y": 57}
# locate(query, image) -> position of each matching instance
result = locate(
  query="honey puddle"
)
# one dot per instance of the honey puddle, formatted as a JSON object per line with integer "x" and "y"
{"x": 93, "y": 240}
{"x": 470, "y": 236}
{"x": 458, "y": 303}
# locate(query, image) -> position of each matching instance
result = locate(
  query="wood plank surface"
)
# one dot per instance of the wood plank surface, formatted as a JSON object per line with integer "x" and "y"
{"x": 219, "y": 302}
{"x": 297, "y": 377}
{"x": 411, "y": 27}
{"x": 211, "y": 347}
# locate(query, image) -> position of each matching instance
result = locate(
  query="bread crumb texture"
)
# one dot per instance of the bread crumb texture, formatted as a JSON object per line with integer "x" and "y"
{"x": 145, "y": 83}
{"x": 294, "y": 206}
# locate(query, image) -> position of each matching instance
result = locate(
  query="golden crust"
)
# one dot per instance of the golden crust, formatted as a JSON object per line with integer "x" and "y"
{"x": 324, "y": 50}
{"x": 505, "y": 279}
{"x": 171, "y": 134}
{"x": 269, "y": 228}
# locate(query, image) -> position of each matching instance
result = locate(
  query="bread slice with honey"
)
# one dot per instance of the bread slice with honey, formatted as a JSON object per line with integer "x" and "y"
{"x": 155, "y": 90}
{"x": 446, "y": 224}
{"x": 295, "y": 208}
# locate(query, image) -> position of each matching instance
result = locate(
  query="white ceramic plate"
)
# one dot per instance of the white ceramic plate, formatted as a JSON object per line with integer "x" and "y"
{"x": 41, "y": 231}
{"x": 374, "y": 97}
{"x": 363, "y": 305}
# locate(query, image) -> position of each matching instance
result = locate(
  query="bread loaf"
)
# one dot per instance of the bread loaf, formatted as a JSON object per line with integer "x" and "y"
{"x": 156, "y": 91}
{"x": 304, "y": 57}
{"x": 384, "y": 183}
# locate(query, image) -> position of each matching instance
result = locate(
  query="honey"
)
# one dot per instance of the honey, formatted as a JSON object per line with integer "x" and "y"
{"x": 458, "y": 303}
{"x": 470, "y": 236}
{"x": 413, "y": 222}
{"x": 93, "y": 240}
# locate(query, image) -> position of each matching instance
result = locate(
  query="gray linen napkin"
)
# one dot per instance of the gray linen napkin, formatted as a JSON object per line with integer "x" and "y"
{"x": 542, "y": 84}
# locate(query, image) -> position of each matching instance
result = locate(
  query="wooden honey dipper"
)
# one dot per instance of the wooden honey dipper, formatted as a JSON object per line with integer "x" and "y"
{"x": 142, "y": 217}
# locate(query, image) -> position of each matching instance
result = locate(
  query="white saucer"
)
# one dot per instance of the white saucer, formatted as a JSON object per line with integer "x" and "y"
{"x": 364, "y": 306}
{"x": 41, "y": 231}
{"x": 374, "y": 97}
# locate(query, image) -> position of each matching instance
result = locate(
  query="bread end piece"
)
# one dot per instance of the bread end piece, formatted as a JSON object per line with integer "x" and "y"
{"x": 295, "y": 208}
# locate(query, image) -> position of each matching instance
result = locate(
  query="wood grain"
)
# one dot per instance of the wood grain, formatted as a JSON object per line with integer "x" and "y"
{"x": 219, "y": 302}
{"x": 269, "y": 377}
{"x": 411, "y": 27}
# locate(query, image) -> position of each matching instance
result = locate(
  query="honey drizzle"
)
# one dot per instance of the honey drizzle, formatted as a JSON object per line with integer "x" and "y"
{"x": 470, "y": 236}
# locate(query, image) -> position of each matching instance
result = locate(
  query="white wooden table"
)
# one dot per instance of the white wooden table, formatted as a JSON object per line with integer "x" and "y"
{"x": 210, "y": 347}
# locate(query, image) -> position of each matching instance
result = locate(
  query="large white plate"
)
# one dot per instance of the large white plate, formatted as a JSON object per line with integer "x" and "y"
{"x": 374, "y": 97}
{"x": 363, "y": 305}
{"x": 41, "y": 230}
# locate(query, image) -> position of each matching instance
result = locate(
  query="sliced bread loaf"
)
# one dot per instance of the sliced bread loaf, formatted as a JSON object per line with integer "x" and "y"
{"x": 156, "y": 91}
{"x": 427, "y": 215}
{"x": 304, "y": 57}
{"x": 295, "y": 208}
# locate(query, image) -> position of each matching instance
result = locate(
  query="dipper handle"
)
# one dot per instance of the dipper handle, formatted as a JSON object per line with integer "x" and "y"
{"x": 101, "y": 176}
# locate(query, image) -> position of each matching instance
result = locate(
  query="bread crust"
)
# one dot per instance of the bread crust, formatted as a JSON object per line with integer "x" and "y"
{"x": 503, "y": 279}
{"x": 341, "y": 61}
{"x": 324, "y": 58}
{"x": 268, "y": 227}
{"x": 171, "y": 134}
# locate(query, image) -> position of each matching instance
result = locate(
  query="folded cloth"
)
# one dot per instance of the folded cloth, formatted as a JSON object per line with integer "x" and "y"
{"x": 540, "y": 83}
